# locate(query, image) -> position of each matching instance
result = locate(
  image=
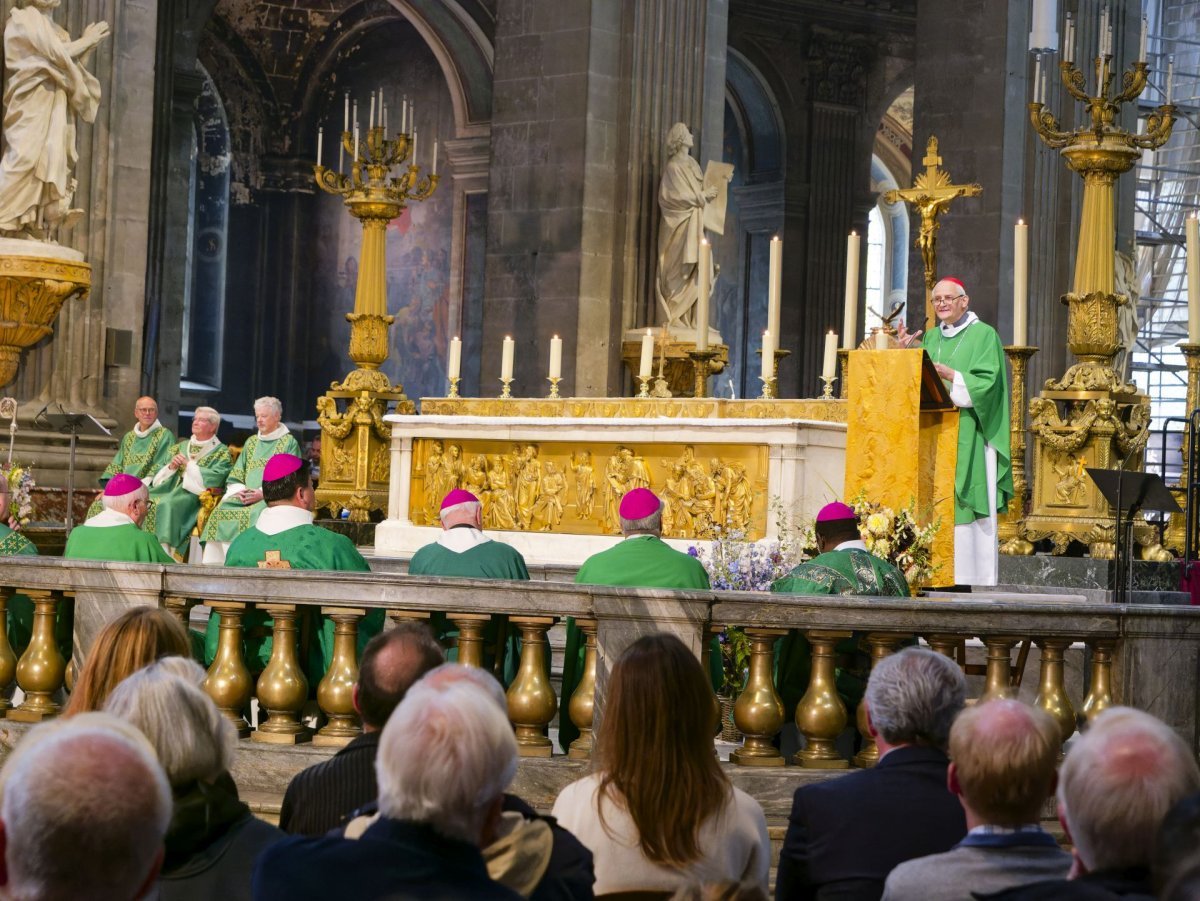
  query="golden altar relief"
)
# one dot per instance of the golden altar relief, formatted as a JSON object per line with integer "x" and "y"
{"x": 813, "y": 409}
{"x": 559, "y": 486}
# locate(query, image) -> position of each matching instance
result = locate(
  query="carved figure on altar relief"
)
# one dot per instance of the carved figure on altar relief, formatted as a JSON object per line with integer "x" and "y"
{"x": 46, "y": 87}
{"x": 529, "y": 480}
{"x": 722, "y": 476}
{"x": 431, "y": 479}
{"x": 475, "y": 479}
{"x": 501, "y": 512}
{"x": 585, "y": 484}
{"x": 451, "y": 473}
{"x": 677, "y": 496}
{"x": 549, "y": 505}
{"x": 342, "y": 468}
{"x": 741, "y": 498}
{"x": 639, "y": 472}
{"x": 616, "y": 478}
{"x": 1071, "y": 473}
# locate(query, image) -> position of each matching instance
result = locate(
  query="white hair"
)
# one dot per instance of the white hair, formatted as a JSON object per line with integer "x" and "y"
{"x": 651, "y": 523}
{"x": 271, "y": 403}
{"x": 445, "y": 756}
{"x": 121, "y": 502}
{"x": 1117, "y": 783}
{"x": 445, "y": 675}
{"x": 914, "y": 695}
{"x": 472, "y": 507}
{"x": 207, "y": 413}
{"x": 85, "y": 809}
{"x": 194, "y": 742}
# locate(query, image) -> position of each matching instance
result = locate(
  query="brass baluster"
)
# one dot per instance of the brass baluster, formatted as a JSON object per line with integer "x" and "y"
{"x": 998, "y": 681}
{"x": 41, "y": 668}
{"x": 180, "y": 608}
{"x": 396, "y": 617}
{"x": 821, "y": 715}
{"x": 882, "y": 644}
{"x": 470, "y": 637}
{"x": 1099, "y": 696}
{"x": 759, "y": 711}
{"x": 582, "y": 707}
{"x": 8, "y": 660}
{"x": 1052, "y": 692}
{"x": 946, "y": 645}
{"x": 531, "y": 699}
{"x": 335, "y": 694}
{"x": 229, "y": 683}
{"x": 282, "y": 687}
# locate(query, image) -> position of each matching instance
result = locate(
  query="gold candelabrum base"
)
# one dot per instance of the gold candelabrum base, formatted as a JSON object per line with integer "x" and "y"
{"x": 506, "y": 390}
{"x": 768, "y": 388}
{"x": 1008, "y": 528}
{"x": 644, "y": 389}
{"x": 454, "y": 380}
{"x": 675, "y": 371}
{"x": 553, "y": 380}
{"x": 702, "y": 365}
{"x": 827, "y": 381}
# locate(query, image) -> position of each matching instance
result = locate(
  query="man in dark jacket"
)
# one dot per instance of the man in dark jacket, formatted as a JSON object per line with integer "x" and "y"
{"x": 845, "y": 835}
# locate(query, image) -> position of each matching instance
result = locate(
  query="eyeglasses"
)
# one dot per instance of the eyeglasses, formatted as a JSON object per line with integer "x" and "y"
{"x": 938, "y": 301}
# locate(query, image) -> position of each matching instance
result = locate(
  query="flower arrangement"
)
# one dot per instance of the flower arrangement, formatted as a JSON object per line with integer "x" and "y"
{"x": 896, "y": 536}
{"x": 20, "y": 493}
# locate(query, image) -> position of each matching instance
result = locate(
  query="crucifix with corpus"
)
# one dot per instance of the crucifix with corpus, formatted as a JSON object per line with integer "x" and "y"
{"x": 930, "y": 195}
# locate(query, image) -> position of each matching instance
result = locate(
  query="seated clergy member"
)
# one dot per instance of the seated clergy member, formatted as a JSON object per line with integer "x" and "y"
{"x": 462, "y": 550}
{"x": 640, "y": 559}
{"x": 284, "y": 537}
{"x": 115, "y": 533}
{"x": 845, "y": 835}
{"x": 1003, "y": 759}
{"x": 445, "y": 758}
{"x": 844, "y": 566}
{"x": 142, "y": 451}
{"x": 199, "y": 464}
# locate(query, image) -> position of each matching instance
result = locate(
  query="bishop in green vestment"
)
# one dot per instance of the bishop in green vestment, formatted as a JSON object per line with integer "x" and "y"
{"x": 115, "y": 533}
{"x": 143, "y": 451}
{"x": 240, "y": 507}
{"x": 969, "y": 357}
{"x": 200, "y": 464}
{"x": 641, "y": 559}
{"x": 284, "y": 537}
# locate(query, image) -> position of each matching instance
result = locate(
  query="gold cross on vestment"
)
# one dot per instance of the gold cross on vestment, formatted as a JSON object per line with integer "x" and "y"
{"x": 273, "y": 560}
{"x": 931, "y": 195}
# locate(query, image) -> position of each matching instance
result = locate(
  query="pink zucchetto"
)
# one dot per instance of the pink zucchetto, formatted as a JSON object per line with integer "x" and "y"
{"x": 121, "y": 485}
{"x": 836, "y": 511}
{"x": 458, "y": 496}
{"x": 281, "y": 466}
{"x": 639, "y": 503}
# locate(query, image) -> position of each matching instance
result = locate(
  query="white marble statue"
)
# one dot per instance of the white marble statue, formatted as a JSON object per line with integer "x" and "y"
{"x": 46, "y": 87}
{"x": 1129, "y": 283}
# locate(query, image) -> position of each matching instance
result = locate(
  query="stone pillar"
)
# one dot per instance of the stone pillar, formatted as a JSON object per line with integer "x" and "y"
{"x": 468, "y": 170}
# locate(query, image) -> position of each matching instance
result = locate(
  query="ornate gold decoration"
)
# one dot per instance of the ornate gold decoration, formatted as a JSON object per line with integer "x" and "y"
{"x": 634, "y": 408}
{"x": 506, "y": 388}
{"x": 335, "y": 693}
{"x": 32, "y": 291}
{"x": 1008, "y": 528}
{"x": 8, "y": 660}
{"x": 1099, "y": 696}
{"x": 554, "y": 387}
{"x": 531, "y": 700}
{"x": 998, "y": 679}
{"x": 1176, "y": 530}
{"x": 41, "y": 668}
{"x": 470, "y": 637}
{"x": 702, "y": 363}
{"x": 676, "y": 368}
{"x": 821, "y": 715}
{"x": 844, "y": 369}
{"x": 228, "y": 682}
{"x": 759, "y": 712}
{"x": 882, "y": 644}
{"x": 582, "y": 707}
{"x": 375, "y": 199}
{"x": 454, "y": 380}
{"x": 1052, "y": 692}
{"x": 644, "y": 390}
{"x": 273, "y": 560}
{"x": 931, "y": 195}
{"x": 282, "y": 687}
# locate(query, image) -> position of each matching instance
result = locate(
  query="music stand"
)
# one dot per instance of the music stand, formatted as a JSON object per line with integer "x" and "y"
{"x": 73, "y": 424}
{"x": 1130, "y": 493}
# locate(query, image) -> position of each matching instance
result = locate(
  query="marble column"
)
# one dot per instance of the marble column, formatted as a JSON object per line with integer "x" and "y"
{"x": 468, "y": 171}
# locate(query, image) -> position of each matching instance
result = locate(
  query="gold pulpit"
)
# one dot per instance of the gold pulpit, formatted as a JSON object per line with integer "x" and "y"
{"x": 902, "y": 442}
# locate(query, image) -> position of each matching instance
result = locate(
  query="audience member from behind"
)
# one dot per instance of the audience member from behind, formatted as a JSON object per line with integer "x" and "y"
{"x": 659, "y": 813}
{"x": 325, "y": 795}
{"x": 84, "y": 810}
{"x": 1003, "y": 759}
{"x": 845, "y": 835}
{"x": 1114, "y": 790}
{"x": 213, "y": 838}
{"x": 137, "y": 637}
{"x": 1176, "y": 865}
{"x": 445, "y": 758}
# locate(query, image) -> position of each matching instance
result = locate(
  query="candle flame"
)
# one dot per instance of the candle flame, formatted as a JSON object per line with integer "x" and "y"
{"x": 1020, "y": 222}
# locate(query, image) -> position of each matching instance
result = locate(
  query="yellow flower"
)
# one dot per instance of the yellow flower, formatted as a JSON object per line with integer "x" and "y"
{"x": 877, "y": 524}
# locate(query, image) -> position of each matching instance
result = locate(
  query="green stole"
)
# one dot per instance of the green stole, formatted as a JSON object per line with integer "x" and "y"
{"x": 174, "y": 509}
{"x": 138, "y": 457}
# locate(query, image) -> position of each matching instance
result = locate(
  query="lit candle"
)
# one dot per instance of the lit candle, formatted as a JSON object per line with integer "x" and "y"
{"x": 704, "y": 288}
{"x": 850, "y": 318}
{"x": 646, "y": 366}
{"x": 455, "y": 367}
{"x": 773, "y": 282}
{"x": 829, "y": 364}
{"x": 435, "y": 148}
{"x": 320, "y": 143}
{"x": 1020, "y": 282}
{"x": 1170, "y": 75}
{"x": 1142, "y": 41}
{"x": 556, "y": 357}
{"x": 1193, "y": 278}
{"x": 506, "y": 360}
{"x": 768, "y": 355}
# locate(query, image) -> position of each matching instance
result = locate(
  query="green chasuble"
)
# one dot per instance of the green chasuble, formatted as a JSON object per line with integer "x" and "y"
{"x": 976, "y": 353}
{"x": 106, "y": 537}
{"x": 176, "y": 502}
{"x": 300, "y": 546}
{"x": 642, "y": 561}
{"x": 20, "y": 608}
{"x": 231, "y": 517}
{"x": 845, "y": 570}
{"x": 139, "y": 456}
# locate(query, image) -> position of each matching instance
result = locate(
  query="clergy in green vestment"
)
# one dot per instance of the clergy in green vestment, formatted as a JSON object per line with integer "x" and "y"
{"x": 143, "y": 450}
{"x": 199, "y": 464}
{"x": 243, "y": 501}
{"x": 284, "y": 537}
{"x": 844, "y": 566}
{"x": 115, "y": 533}
{"x": 969, "y": 357}
{"x": 463, "y": 551}
{"x": 642, "y": 560}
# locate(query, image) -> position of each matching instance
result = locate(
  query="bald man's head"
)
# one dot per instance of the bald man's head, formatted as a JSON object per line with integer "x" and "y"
{"x": 391, "y": 663}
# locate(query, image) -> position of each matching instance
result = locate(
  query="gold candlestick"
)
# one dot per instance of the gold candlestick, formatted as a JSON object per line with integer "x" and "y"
{"x": 454, "y": 380}
{"x": 702, "y": 361}
{"x": 644, "y": 381}
{"x": 828, "y": 381}
{"x": 768, "y": 389}
{"x": 554, "y": 380}
{"x": 1012, "y": 541}
{"x": 506, "y": 391}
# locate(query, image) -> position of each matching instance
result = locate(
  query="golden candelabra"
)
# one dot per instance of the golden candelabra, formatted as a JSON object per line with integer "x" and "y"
{"x": 1091, "y": 417}
{"x": 1011, "y": 541}
{"x": 454, "y": 380}
{"x": 702, "y": 363}
{"x": 768, "y": 388}
{"x": 644, "y": 387}
{"x": 827, "y": 382}
{"x": 506, "y": 390}
{"x": 358, "y": 436}
{"x": 554, "y": 380}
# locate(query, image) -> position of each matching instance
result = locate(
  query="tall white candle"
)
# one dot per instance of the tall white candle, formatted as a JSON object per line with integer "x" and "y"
{"x": 646, "y": 365}
{"x": 506, "y": 360}
{"x": 435, "y": 149}
{"x": 1037, "y": 78}
{"x": 704, "y": 286}
{"x": 404, "y": 114}
{"x": 371, "y": 119}
{"x": 773, "y": 284}
{"x": 454, "y": 369}
{"x": 413, "y": 160}
{"x": 1193, "y": 278}
{"x": 346, "y": 112}
{"x": 1142, "y": 41}
{"x": 850, "y": 317}
{"x": 357, "y": 150}
{"x": 556, "y": 357}
{"x": 1020, "y": 282}
{"x": 829, "y": 364}
{"x": 1068, "y": 44}
{"x": 320, "y": 143}
{"x": 768, "y": 355}
{"x": 1170, "y": 75}
{"x": 385, "y": 120}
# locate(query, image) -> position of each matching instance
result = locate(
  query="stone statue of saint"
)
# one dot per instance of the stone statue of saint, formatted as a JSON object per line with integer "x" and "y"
{"x": 1129, "y": 284}
{"x": 682, "y": 198}
{"x": 47, "y": 87}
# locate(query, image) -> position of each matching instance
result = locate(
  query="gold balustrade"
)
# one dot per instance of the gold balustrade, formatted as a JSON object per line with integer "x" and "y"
{"x": 582, "y": 708}
{"x": 470, "y": 637}
{"x": 282, "y": 687}
{"x": 1052, "y": 692}
{"x": 335, "y": 693}
{"x": 1099, "y": 696}
{"x": 228, "y": 682}
{"x": 999, "y": 668}
{"x": 882, "y": 644}
{"x": 531, "y": 699}
{"x": 41, "y": 669}
{"x": 759, "y": 711}
{"x": 8, "y": 660}
{"x": 821, "y": 715}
